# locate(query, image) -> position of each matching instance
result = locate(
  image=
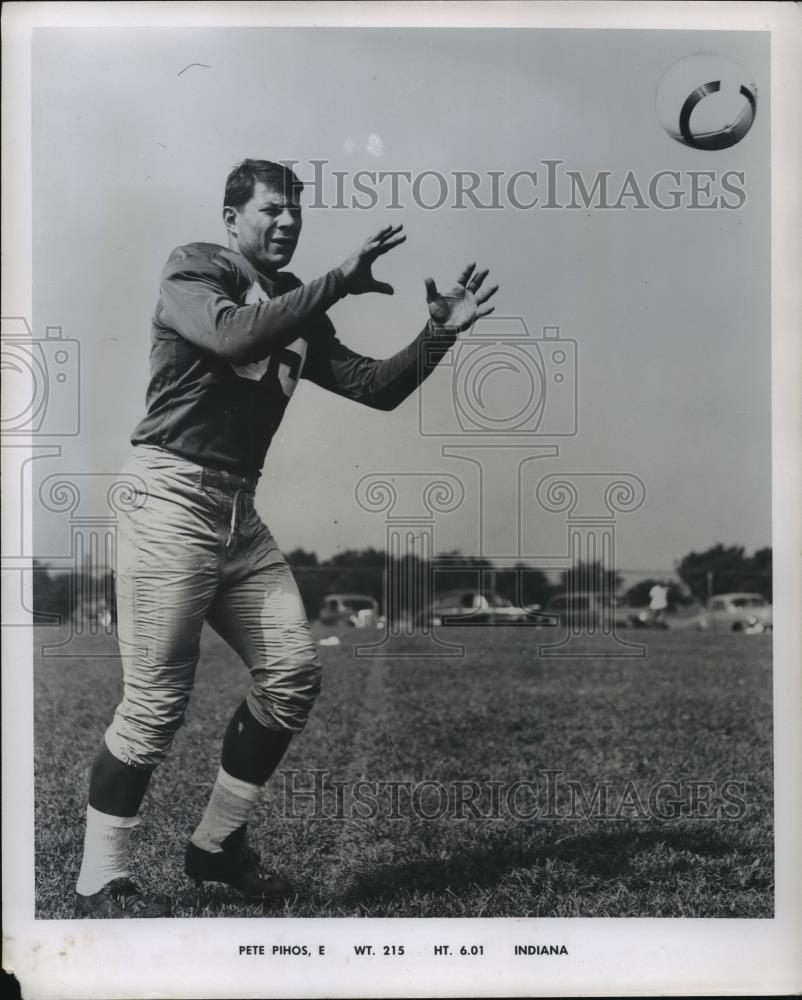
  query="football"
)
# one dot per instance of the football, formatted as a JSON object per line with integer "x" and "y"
{"x": 707, "y": 102}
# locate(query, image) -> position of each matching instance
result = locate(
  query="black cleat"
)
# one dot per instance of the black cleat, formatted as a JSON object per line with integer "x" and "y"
{"x": 238, "y": 866}
{"x": 119, "y": 899}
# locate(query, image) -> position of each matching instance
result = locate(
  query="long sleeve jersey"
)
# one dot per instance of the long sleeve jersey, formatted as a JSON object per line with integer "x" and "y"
{"x": 228, "y": 347}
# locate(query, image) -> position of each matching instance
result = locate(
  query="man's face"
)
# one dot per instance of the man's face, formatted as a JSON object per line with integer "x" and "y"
{"x": 265, "y": 229}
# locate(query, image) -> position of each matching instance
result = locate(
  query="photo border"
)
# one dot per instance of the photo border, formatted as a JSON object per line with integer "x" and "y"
{"x": 197, "y": 958}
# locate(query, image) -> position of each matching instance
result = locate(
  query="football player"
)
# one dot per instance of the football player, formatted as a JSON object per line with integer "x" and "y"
{"x": 232, "y": 334}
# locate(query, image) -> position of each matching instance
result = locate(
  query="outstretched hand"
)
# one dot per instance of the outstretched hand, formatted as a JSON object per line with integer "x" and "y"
{"x": 357, "y": 268}
{"x": 464, "y": 304}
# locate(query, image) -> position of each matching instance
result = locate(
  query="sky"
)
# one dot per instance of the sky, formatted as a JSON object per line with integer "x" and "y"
{"x": 669, "y": 310}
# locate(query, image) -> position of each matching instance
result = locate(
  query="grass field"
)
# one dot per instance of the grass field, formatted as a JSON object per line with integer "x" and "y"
{"x": 697, "y": 708}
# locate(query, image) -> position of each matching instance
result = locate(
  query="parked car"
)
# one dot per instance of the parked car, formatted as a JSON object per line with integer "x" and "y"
{"x": 473, "y": 607}
{"x": 738, "y": 613}
{"x": 587, "y": 608}
{"x": 353, "y": 609}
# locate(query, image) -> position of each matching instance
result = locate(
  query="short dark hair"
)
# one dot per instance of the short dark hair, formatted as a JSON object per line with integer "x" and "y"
{"x": 243, "y": 178}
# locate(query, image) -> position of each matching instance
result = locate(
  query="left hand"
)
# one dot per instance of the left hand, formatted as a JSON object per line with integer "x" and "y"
{"x": 464, "y": 304}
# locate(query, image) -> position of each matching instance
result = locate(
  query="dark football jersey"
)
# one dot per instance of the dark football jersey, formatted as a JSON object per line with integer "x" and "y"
{"x": 228, "y": 347}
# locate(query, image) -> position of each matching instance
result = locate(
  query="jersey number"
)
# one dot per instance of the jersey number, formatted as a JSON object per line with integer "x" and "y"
{"x": 285, "y": 365}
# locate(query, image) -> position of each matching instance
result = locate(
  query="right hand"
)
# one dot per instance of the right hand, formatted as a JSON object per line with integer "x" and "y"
{"x": 357, "y": 268}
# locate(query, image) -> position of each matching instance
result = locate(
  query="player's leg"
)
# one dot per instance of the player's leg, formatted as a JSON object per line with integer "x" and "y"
{"x": 262, "y": 617}
{"x": 166, "y": 580}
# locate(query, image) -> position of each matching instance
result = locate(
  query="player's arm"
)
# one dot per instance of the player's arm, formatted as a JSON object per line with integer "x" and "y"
{"x": 196, "y": 296}
{"x": 380, "y": 384}
{"x": 384, "y": 384}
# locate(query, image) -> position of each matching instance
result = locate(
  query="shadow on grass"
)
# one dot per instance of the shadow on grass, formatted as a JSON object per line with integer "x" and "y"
{"x": 602, "y": 855}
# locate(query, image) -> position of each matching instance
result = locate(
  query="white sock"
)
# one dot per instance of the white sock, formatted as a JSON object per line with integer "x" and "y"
{"x": 105, "y": 850}
{"x": 229, "y": 807}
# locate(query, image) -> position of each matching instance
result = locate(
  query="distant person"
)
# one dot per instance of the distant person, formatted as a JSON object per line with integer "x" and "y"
{"x": 232, "y": 334}
{"x": 658, "y": 602}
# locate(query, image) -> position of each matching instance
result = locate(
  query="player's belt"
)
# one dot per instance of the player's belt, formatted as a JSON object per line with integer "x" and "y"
{"x": 241, "y": 488}
{"x": 229, "y": 481}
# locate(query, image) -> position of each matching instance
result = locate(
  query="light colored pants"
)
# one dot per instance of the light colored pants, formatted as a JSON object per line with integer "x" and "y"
{"x": 195, "y": 550}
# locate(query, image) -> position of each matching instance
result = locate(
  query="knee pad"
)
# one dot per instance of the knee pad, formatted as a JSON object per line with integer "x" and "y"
{"x": 141, "y": 735}
{"x": 282, "y": 696}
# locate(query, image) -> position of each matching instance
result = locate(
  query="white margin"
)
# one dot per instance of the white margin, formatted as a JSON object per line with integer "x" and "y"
{"x": 63, "y": 959}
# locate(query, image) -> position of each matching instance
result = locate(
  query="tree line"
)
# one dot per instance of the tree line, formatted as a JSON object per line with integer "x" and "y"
{"x": 718, "y": 570}
{"x": 60, "y": 594}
